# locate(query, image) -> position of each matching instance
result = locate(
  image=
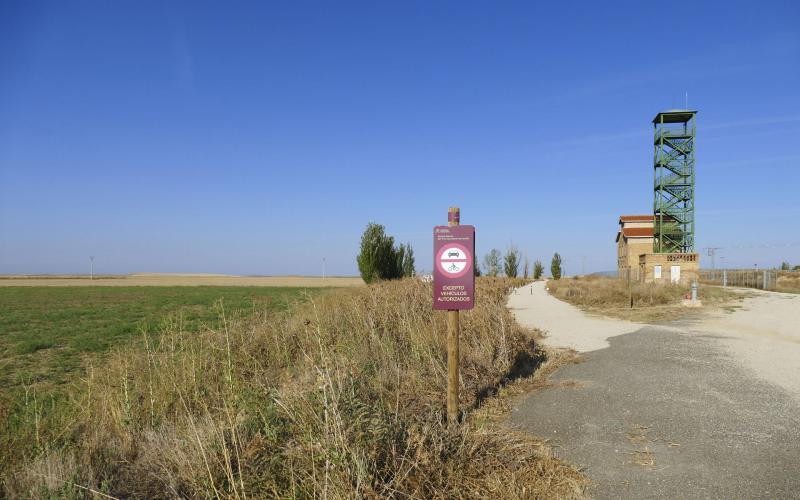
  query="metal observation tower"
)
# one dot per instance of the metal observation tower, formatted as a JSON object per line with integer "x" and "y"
{"x": 673, "y": 193}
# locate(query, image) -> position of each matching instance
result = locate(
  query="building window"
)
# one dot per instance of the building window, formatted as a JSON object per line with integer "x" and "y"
{"x": 656, "y": 272}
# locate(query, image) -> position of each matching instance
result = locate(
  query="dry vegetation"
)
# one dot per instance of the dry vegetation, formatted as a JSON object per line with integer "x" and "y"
{"x": 651, "y": 302}
{"x": 341, "y": 397}
{"x": 788, "y": 282}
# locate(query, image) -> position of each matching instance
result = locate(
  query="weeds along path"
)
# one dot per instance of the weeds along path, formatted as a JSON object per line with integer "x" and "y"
{"x": 565, "y": 325}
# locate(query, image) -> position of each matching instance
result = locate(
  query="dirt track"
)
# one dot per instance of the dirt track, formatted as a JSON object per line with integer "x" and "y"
{"x": 183, "y": 280}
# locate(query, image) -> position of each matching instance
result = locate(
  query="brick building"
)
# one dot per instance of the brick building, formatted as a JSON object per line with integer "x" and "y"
{"x": 634, "y": 238}
{"x": 635, "y": 257}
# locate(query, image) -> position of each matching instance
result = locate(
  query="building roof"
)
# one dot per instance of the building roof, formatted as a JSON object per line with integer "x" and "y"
{"x": 674, "y": 116}
{"x": 638, "y": 232}
{"x": 636, "y": 218}
{"x": 635, "y": 232}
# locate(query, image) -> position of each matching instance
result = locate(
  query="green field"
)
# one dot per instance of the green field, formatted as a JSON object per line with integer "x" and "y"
{"x": 47, "y": 334}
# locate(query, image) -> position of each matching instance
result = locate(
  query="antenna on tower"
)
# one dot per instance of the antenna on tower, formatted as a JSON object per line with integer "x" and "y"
{"x": 687, "y": 100}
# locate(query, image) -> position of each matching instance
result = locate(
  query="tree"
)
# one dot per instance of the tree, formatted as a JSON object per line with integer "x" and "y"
{"x": 526, "y": 264}
{"x": 555, "y": 266}
{"x": 785, "y": 266}
{"x": 379, "y": 259}
{"x": 538, "y": 269}
{"x": 476, "y": 269}
{"x": 409, "y": 269}
{"x": 491, "y": 262}
{"x": 511, "y": 262}
{"x": 796, "y": 268}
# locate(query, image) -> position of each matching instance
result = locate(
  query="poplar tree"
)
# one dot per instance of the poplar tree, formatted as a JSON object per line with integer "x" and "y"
{"x": 538, "y": 269}
{"x": 555, "y": 266}
{"x": 511, "y": 262}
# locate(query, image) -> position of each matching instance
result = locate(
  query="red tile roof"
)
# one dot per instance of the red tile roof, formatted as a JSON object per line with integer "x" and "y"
{"x": 635, "y": 218}
{"x": 638, "y": 232}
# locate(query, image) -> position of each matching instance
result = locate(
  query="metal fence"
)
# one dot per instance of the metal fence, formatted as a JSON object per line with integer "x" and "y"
{"x": 764, "y": 279}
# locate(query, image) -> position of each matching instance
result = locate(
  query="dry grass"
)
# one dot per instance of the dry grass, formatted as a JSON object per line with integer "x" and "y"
{"x": 788, "y": 282}
{"x": 341, "y": 397}
{"x": 155, "y": 279}
{"x": 651, "y": 302}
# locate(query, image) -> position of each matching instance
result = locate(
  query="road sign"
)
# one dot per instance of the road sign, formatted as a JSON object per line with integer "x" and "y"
{"x": 453, "y": 274}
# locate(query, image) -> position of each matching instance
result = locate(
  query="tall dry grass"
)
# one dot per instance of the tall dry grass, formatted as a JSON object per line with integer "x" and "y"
{"x": 651, "y": 301}
{"x": 341, "y": 397}
{"x": 788, "y": 282}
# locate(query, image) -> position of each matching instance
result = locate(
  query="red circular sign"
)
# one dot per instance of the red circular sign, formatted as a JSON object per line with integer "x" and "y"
{"x": 454, "y": 260}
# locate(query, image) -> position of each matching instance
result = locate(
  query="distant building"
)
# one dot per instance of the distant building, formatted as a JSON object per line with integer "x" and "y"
{"x": 636, "y": 259}
{"x": 659, "y": 248}
{"x": 634, "y": 238}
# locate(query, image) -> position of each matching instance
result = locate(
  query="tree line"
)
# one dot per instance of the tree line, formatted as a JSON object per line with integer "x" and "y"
{"x": 496, "y": 264}
{"x": 381, "y": 259}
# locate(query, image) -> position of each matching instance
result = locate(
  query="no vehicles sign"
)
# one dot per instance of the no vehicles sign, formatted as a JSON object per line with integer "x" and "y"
{"x": 453, "y": 273}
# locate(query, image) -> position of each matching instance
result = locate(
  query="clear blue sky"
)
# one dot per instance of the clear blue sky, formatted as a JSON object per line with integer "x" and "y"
{"x": 258, "y": 138}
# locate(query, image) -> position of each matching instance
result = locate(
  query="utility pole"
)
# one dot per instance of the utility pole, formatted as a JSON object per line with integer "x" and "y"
{"x": 712, "y": 252}
{"x": 323, "y": 268}
{"x": 91, "y": 267}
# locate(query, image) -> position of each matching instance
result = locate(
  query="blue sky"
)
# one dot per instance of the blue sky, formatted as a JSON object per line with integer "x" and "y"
{"x": 258, "y": 138}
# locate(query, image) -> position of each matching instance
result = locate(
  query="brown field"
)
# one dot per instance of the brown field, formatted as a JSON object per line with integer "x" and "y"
{"x": 157, "y": 279}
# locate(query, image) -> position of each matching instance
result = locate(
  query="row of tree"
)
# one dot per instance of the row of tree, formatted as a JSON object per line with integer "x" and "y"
{"x": 381, "y": 259}
{"x": 495, "y": 263}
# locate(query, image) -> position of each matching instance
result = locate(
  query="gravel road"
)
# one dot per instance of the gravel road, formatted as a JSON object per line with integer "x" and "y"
{"x": 702, "y": 409}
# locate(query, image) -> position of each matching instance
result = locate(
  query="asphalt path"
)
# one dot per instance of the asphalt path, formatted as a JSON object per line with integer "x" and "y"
{"x": 667, "y": 411}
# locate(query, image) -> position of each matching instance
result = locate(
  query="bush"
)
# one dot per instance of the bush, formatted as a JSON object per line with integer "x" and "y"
{"x": 555, "y": 267}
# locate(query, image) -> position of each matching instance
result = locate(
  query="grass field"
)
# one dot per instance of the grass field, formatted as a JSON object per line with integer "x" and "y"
{"x": 47, "y": 333}
{"x": 175, "y": 279}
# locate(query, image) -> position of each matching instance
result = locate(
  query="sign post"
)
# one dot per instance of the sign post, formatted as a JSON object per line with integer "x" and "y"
{"x": 453, "y": 290}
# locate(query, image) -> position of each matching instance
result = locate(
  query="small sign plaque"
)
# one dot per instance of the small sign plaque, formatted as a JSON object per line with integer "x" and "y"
{"x": 453, "y": 273}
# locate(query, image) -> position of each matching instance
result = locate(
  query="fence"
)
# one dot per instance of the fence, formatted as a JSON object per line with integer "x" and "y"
{"x": 765, "y": 279}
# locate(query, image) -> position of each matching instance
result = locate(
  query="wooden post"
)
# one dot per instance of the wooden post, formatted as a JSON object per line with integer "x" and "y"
{"x": 453, "y": 219}
{"x": 630, "y": 290}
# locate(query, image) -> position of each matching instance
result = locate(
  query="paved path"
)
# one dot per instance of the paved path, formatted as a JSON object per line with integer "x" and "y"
{"x": 673, "y": 412}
